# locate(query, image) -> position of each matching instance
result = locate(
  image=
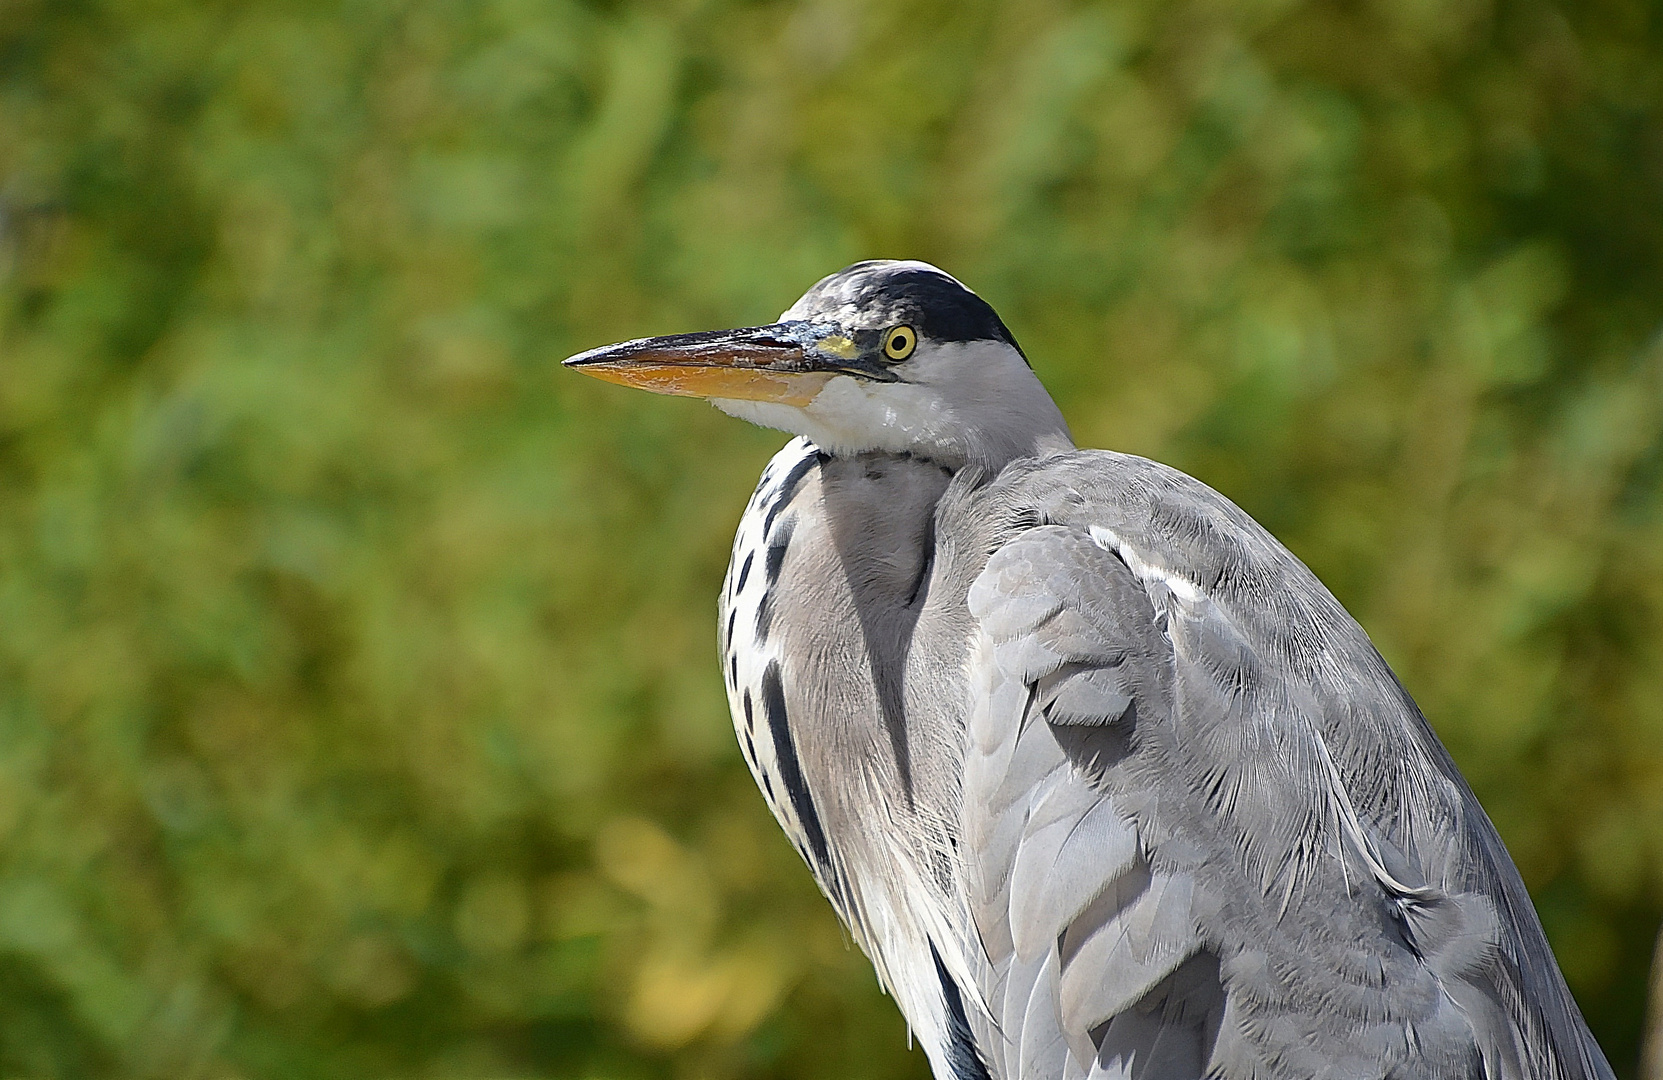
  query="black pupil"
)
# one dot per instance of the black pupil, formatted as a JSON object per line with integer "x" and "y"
{"x": 898, "y": 341}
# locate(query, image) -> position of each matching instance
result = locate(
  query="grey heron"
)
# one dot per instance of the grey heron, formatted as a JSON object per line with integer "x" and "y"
{"x": 1097, "y": 773}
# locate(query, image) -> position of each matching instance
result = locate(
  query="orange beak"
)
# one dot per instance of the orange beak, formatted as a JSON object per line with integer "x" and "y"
{"x": 788, "y": 363}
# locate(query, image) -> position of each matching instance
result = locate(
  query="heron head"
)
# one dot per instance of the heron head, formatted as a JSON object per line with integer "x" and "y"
{"x": 881, "y": 356}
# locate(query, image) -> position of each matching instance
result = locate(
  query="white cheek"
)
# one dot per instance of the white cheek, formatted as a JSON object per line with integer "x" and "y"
{"x": 853, "y": 415}
{"x": 958, "y": 402}
{"x": 844, "y": 403}
{"x": 891, "y": 416}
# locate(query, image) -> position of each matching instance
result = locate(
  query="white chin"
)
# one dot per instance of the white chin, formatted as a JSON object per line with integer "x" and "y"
{"x": 768, "y": 414}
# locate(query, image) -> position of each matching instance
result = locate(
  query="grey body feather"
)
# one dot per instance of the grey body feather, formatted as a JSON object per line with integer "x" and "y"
{"x": 1102, "y": 779}
{"x": 1108, "y": 785}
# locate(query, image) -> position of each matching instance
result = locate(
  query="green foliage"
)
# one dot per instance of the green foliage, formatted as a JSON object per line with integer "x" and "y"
{"x": 358, "y": 708}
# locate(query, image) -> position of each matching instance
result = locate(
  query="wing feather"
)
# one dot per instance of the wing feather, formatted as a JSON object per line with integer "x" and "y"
{"x": 1044, "y": 1051}
{"x": 1134, "y": 935}
{"x": 1069, "y": 854}
{"x": 1207, "y": 833}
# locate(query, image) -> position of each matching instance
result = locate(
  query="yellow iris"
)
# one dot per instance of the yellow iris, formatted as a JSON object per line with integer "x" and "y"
{"x": 899, "y": 343}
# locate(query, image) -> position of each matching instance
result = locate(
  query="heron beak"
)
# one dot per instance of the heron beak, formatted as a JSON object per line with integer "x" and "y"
{"x": 789, "y": 363}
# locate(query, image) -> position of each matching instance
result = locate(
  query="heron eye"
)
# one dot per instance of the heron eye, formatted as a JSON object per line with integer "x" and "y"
{"x": 899, "y": 343}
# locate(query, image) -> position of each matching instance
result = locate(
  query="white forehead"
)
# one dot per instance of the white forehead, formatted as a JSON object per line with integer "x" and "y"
{"x": 838, "y": 296}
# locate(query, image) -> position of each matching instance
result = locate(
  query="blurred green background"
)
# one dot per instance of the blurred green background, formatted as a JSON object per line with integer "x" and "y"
{"x": 359, "y": 714}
